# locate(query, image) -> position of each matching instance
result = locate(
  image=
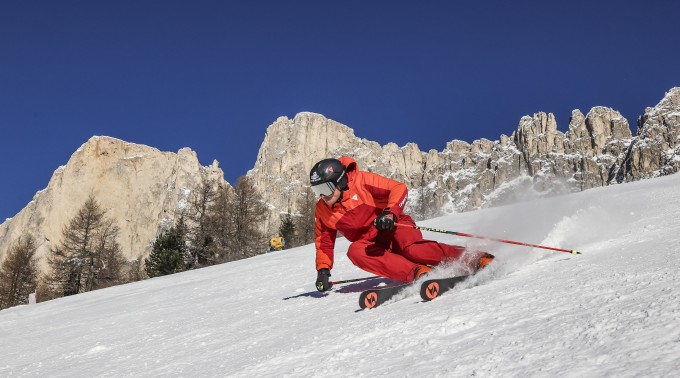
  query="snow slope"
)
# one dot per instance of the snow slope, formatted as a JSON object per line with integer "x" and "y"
{"x": 612, "y": 311}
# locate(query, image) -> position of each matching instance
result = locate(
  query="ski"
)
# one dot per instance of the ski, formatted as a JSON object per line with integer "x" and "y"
{"x": 433, "y": 288}
{"x": 429, "y": 290}
{"x": 373, "y": 298}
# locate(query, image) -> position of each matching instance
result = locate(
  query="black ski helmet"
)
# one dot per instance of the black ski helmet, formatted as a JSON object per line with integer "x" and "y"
{"x": 327, "y": 175}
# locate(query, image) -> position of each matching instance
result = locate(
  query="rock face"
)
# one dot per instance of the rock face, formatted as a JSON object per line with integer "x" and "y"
{"x": 656, "y": 150}
{"x": 139, "y": 186}
{"x": 537, "y": 159}
{"x": 144, "y": 189}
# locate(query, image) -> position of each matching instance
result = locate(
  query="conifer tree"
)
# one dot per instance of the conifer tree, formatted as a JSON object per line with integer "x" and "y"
{"x": 168, "y": 253}
{"x": 304, "y": 221}
{"x": 247, "y": 211}
{"x": 18, "y": 273}
{"x": 199, "y": 238}
{"x": 89, "y": 256}
{"x": 219, "y": 226}
{"x": 287, "y": 230}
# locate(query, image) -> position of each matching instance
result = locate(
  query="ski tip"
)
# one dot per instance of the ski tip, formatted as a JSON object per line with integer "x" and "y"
{"x": 430, "y": 291}
{"x": 575, "y": 252}
{"x": 370, "y": 300}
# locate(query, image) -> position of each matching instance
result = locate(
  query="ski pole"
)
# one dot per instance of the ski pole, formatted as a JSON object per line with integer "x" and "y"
{"x": 354, "y": 280}
{"x": 572, "y": 251}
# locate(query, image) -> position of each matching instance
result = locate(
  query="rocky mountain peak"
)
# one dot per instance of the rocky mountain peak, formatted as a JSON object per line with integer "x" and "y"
{"x": 597, "y": 149}
{"x": 139, "y": 186}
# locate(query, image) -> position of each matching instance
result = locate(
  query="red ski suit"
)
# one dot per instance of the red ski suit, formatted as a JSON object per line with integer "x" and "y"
{"x": 392, "y": 253}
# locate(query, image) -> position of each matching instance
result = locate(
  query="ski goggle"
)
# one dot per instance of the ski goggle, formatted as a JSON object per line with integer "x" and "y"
{"x": 324, "y": 189}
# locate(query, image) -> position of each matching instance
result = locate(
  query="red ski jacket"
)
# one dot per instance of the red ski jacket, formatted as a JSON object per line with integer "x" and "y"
{"x": 368, "y": 195}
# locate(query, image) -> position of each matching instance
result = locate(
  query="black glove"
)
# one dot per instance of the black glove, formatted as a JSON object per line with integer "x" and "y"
{"x": 322, "y": 281}
{"x": 385, "y": 221}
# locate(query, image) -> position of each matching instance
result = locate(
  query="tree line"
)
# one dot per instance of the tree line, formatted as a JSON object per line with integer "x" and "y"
{"x": 219, "y": 224}
{"x": 225, "y": 224}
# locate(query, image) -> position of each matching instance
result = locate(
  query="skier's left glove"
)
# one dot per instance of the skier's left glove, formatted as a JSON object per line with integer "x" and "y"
{"x": 322, "y": 280}
{"x": 385, "y": 221}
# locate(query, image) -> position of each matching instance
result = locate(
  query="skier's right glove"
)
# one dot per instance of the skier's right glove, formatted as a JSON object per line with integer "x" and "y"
{"x": 385, "y": 221}
{"x": 322, "y": 280}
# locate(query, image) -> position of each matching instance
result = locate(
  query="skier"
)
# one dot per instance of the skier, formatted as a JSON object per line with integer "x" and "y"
{"x": 365, "y": 207}
{"x": 276, "y": 243}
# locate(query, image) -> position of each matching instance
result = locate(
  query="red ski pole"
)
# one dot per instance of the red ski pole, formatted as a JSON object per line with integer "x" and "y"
{"x": 572, "y": 251}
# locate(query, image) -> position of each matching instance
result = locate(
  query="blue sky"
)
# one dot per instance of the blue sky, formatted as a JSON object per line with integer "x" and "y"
{"x": 212, "y": 75}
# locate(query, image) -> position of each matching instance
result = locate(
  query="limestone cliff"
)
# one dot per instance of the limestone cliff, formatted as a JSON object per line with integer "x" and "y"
{"x": 139, "y": 186}
{"x": 597, "y": 149}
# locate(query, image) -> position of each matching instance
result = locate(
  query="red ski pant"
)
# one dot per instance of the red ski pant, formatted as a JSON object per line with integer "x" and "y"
{"x": 394, "y": 254}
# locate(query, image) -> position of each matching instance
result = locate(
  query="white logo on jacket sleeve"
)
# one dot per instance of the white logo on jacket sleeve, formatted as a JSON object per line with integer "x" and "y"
{"x": 403, "y": 202}
{"x": 355, "y": 197}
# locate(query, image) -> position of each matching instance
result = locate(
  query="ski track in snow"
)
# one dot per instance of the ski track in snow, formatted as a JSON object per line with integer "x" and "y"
{"x": 612, "y": 311}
